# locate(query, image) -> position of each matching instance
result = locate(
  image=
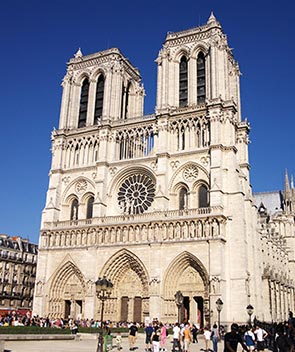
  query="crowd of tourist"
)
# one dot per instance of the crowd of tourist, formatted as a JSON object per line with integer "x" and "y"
{"x": 277, "y": 337}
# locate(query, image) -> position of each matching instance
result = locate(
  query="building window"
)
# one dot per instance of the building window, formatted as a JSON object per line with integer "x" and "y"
{"x": 183, "y": 82}
{"x": 99, "y": 99}
{"x": 89, "y": 212}
{"x": 201, "y": 79}
{"x": 203, "y": 197}
{"x": 136, "y": 194}
{"x": 74, "y": 209}
{"x": 83, "y": 103}
{"x": 182, "y": 199}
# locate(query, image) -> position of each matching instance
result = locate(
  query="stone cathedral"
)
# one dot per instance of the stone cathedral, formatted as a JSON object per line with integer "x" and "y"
{"x": 161, "y": 203}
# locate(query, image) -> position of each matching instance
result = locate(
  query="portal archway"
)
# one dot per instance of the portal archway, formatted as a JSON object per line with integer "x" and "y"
{"x": 131, "y": 287}
{"x": 188, "y": 275}
{"x": 67, "y": 293}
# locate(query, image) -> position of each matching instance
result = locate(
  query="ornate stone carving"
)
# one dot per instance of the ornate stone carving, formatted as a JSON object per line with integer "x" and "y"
{"x": 190, "y": 173}
{"x": 81, "y": 186}
{"x": 174, "y": 164}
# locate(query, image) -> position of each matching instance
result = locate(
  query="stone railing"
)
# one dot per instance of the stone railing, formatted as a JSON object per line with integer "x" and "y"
{"x": 135, "y": 219}
{"x": 191, "y": 225}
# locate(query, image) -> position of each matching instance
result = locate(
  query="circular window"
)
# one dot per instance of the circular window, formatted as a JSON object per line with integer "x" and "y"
{"x": 136, "y": 194}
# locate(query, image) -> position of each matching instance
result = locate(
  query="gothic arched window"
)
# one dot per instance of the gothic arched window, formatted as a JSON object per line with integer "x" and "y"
{"x": 183, "y": 82}
{"x": 203, "y": 196}
{"x": 83, "y": 103}
{"x": 127, "y": 100}
{"x": 89, "y": 210}
{"x": 201, "y": 79}
{"x": 99, "y": 99}
{"x": 74, "y": 209}
{"x": 183, "y": 198}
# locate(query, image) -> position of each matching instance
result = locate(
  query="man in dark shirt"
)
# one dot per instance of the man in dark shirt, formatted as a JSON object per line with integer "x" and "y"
{"x": 132, "y": 336}
{"x": 283, "y": 342}
{"x": 232, "y": 339}
{"x": 148, "y": 334}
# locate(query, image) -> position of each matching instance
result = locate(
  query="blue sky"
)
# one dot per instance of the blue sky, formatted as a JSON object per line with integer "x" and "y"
{"x": 38, "y": 38}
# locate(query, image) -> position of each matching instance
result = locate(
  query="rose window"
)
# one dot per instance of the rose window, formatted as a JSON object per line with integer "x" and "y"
{"x": 190, "y": 173}
{"x": 136, "y": 194}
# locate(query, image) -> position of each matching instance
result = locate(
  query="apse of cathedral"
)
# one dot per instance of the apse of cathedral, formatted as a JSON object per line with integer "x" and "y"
{"x": 161, "y": 203}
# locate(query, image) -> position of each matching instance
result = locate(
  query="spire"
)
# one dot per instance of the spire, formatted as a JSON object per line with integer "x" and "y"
{"x": 211, "y": 19}
{"x": 287, "y": 185}
{"x": 292, "y": 182}
{"x": 78, "y": 53}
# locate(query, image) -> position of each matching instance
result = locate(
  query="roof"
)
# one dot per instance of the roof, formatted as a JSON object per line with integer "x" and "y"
{"x": 272, "y": 201}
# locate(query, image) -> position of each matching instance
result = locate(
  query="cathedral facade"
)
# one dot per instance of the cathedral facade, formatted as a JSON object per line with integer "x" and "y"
{"x": 160, "y": 203}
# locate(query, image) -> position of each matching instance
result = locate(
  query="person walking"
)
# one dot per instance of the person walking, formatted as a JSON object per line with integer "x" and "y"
{"x": 215, "y": 336}
{"x": 148, "y": 337}
{"x": 232, "y": 339}
{"x": 195, "y": 334}
{"x": 156, "y": 338}
{"x": 187, "y": 338}
{"x": 163, "y": 337}
{"x": 132, "y": 336}
{"x": 176, "y": 338}
{"x": 207, "y": 338}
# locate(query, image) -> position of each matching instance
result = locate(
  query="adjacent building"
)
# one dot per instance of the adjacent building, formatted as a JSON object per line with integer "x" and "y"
{"x": 160, "y": 203}
{"x": 18, "y": 261}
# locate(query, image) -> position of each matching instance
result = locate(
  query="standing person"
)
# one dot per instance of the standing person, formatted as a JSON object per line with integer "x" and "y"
{"x": 156, "y": 338}
{"x": 232, "y": 339}
{"x": 148, "y": 337}
{"x": 163, "y": 336}
{"x": 186, "y": 338}
{"x": 195, "y": 334}
{"x": 261, "y": 334}
{"x": 215, "y": 336}
{"x": 207, "y": 337}
{"x": 132, "y": 336}
{"x": 283, "y": 342}
{"x": 119, "y": 341}
{"x": 249, "y": 338}
{"x": 176, "y": 337}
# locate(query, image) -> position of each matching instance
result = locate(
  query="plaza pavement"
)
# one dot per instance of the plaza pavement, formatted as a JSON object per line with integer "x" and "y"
{"x": 89, "y": 343}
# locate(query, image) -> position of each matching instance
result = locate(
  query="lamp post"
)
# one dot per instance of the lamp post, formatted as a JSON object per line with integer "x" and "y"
{"x": 179, "y": 302}
{"x": 103, "y": 291}
{"x": 219, "y": 306}
{"x": 250, "y": 310}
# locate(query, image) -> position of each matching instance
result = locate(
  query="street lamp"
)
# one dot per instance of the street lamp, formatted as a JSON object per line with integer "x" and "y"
{"x": 179, "y": 302}
{"x": 250, "y": 310}
{"x": 103, "y": 289}
{"x": 219, "y": 306}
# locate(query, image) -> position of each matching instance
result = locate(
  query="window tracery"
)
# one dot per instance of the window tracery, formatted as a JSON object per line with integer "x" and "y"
{"x": 136, "y": 194}
{"x": 183, "y": 82}
{"x": 83, "y": 103}
{"x": 99, "y": 99}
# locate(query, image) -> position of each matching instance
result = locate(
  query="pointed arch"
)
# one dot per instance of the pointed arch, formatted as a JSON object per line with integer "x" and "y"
{"x": 179, "y": 265}
{"x": 83, "y": 103}
{"x": 62, "y": 276}
{"x": 99, "y": 95}
{"x": 183, "y": 81}
{"x": 201, "y": 78}
{"x": 120, "y": 263}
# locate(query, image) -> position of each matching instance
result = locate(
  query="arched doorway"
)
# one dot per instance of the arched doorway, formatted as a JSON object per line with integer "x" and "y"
{"x": 187, "y": 275}
{"x": 67, "y": 293}
{"x": 131, "y": 289}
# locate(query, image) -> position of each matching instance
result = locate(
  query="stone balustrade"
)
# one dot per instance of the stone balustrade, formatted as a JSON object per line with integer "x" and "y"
{"x": 186, "y": 225}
